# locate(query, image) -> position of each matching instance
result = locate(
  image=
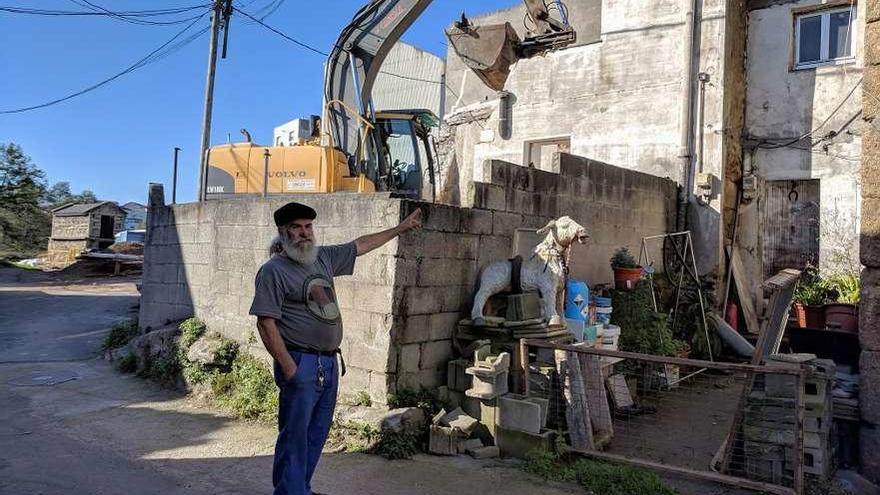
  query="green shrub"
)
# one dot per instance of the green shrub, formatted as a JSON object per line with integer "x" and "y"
{"x": 190, "y": 331}
{"x": 642, "y": 329}
{"x": 252, "y": 393}
{"x": 812, "y": 290}
{"x": 121, "y": 334}
{"x": 596, "y": 477}
{"x": 623, "y": 259}
{"x": 845, "y": 288}
{"x": 128, "y": 364}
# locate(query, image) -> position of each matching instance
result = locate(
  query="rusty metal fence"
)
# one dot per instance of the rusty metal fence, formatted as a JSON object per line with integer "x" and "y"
{"x": 739, "y": 424}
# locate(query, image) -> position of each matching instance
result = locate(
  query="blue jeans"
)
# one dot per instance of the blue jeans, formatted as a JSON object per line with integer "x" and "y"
{"x": 305, "y": 411}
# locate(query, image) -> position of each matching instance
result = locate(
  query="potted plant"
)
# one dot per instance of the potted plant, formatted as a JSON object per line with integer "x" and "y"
{"x": 811, "y": 294}
{"x": 627, "y": 272}
{"x": 842, "y": 310}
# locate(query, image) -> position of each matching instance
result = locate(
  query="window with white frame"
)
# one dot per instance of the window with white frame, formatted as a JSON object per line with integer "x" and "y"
{"x": 824, "y": 37}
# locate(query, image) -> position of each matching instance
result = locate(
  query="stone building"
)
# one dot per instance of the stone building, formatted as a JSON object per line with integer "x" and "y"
{"x": 78, "y": 227}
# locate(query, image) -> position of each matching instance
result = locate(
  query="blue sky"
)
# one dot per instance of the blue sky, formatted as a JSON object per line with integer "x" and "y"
{"x": 118, "y": 138}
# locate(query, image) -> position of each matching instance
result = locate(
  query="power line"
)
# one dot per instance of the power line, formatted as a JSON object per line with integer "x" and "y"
{"x": 154, "y": 56}
{"x": 320, "y": 52}
{"x": 279, "y": 33}
{"x": 92, "y": 12}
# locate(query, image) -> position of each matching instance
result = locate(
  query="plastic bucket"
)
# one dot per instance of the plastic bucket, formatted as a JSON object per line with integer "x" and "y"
{"x": 577, "y": 300}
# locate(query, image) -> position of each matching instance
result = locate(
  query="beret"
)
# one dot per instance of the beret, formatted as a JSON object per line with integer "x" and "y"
{"x": 293, "y": 211}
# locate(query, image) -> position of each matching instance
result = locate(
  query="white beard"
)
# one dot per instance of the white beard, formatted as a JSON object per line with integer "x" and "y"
{"x": 303, "y": 252}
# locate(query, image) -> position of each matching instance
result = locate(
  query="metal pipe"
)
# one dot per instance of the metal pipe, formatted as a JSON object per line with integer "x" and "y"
{"x": 704, "y": 79}
{"x": 686, "y": 132}
{"x": 266, "y": 156}
{"x": 174, "y": 177}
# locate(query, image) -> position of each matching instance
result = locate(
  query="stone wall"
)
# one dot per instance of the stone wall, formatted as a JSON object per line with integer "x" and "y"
{"x": 70, "y": 227}
{"x": 402, "y": 303}
{"x": 869, "y": 309}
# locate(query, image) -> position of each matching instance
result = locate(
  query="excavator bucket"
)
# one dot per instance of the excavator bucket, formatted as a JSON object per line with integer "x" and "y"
{"x": 488, "y": 50}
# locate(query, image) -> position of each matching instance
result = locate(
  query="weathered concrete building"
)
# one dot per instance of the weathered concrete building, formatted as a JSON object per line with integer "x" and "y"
{"x": 135, "y": 216}
{"x": 77, "y": 227}
{"x": 691, "y": 91}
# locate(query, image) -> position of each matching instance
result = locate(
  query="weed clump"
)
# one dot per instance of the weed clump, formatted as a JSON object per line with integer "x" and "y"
{"x": 596, "y": 477}
{"x": 120, "y": 335}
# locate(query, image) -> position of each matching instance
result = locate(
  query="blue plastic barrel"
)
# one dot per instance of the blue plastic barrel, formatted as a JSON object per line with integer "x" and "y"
{"x": 577, "y": 299}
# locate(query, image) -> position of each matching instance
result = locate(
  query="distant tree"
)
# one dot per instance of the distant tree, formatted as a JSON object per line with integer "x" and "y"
{"x": 59, "y": 194}
{"x": 24, "y": 225}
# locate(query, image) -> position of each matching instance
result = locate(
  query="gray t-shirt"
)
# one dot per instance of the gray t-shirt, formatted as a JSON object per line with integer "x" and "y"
{"x": 302, "y": 299}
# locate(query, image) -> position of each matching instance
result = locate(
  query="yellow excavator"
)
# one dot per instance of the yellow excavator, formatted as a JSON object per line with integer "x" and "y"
{"x": 357, "y": 149}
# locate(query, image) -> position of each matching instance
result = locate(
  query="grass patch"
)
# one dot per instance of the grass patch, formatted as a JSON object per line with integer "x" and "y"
{"x": 120, "y": 335}
{"x": 357, "y": 436}
{"x": 596, "y": 477}
{"x": 362, "y": 398}
{"x": 190, "y": 331}
{"x": 248, "y": 390}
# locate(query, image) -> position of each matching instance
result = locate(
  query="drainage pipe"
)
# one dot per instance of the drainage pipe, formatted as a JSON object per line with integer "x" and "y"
{"x": 686, "y": 138}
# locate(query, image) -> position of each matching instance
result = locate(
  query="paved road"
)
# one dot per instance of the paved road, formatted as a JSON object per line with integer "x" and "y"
{"x": 45, "y": 321}
{"x": 102, "y": 432}
{"x": 71, "y": 424}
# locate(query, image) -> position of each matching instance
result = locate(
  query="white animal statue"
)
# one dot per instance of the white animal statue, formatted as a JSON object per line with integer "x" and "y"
{"x": 544, "y": 270}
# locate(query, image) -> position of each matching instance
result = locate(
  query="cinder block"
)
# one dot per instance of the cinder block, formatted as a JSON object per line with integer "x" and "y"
{"x": 518, "y": 413}
{"x": 443, "y": 440}
{"x": 476, "y": 221}
{"x": 435, "y": 355}
{"x": 869, "y": 250}
{"x": 518, "y": 444}
{"x": 521, "y": 307}
{"x": 484, "y": 452}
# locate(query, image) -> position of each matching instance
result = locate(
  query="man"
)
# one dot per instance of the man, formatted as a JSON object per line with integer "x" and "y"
{"x": 300, "y": 325}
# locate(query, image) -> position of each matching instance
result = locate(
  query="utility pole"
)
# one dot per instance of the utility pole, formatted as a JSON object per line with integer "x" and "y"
{"x": 174, "y": 179}
{"x": 209, "y": 96}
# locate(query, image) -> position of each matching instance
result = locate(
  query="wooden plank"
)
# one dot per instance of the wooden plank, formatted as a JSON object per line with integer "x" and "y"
{"x": 597, "y": 399}
{"x": 799, "y": 437}
{"x": 696, "y": 363}
{"x": 577, "y": 413}
{"x": 757, "y": 486}
{"x": 742, "y": 288}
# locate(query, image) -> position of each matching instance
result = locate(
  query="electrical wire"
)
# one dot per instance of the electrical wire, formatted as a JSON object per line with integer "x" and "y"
{"x": 92, "y": 12}
{"x": 279, "y": 33}
{"x": 788, "y": 144}
{"x": 159, "y": 53}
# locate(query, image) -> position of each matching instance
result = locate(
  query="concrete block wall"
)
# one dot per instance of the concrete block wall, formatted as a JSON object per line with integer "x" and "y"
{"x": 438, "y": 266}
{"x": 869, "y": 307}
{"x": 201, "y": 260}
{"x": 402, "y": 304}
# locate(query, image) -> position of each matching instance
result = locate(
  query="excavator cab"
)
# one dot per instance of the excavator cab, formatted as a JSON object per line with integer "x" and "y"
{"x": 407, "y": 151}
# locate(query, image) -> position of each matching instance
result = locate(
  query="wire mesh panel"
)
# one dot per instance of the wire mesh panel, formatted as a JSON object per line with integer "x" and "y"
{"x": 739, "y": 424}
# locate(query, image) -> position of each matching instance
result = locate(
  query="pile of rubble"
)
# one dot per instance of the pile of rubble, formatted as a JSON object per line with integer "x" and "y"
{"x": 487, "y": 420}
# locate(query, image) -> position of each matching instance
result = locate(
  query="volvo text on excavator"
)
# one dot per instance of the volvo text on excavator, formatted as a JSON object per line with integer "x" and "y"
{"x": 357, "y": 149}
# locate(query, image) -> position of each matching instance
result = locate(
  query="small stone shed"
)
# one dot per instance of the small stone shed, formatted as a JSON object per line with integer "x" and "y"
{"x": 78, "y": 227}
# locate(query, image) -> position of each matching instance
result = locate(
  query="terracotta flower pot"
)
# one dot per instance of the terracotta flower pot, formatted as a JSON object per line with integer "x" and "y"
{"x": 627, "y": 278}
{"x": 809, "y": 316}
{"x": 842, "y": 316}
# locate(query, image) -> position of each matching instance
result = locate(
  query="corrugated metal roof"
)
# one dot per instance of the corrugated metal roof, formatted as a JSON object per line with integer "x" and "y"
{"x": 419, "y": 83}
{"x": 76, "y": 210}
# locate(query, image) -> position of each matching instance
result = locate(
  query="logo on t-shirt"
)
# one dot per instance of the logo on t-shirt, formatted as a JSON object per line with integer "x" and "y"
{"x": 320, "y": 298}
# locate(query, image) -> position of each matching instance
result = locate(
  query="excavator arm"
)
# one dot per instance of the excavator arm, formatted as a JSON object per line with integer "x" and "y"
{"x": 356, "y": 60}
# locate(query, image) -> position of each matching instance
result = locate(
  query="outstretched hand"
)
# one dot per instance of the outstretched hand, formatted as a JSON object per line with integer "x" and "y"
{"x": 413, "y": 221}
